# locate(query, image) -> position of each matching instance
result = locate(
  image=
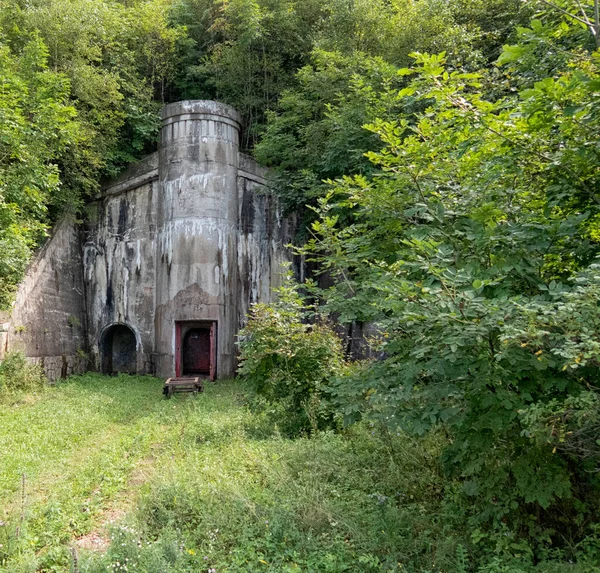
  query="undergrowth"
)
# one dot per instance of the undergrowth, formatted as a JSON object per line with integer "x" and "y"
{"x": 18, "y": 375}
{"x": 223, "y": 490}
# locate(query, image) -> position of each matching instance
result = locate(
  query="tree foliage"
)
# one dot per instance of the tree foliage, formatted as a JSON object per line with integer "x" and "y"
{"x": 81, "y": 84}
{"x": 474, "y": 247}
{"x": 314, "y": 133}
{"x": 314, "y": 70}
{"x": 248, "y": 52}
{"x": 38, "y": 126}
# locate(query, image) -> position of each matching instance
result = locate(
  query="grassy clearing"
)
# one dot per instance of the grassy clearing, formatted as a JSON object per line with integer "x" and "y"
{"x": 200, "y": 484}
{"x": 73, "y": 448}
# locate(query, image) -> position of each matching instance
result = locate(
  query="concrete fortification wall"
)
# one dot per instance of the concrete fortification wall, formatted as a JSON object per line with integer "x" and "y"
{"x": 263, "y": 232}
{"x": 119, "y": 256}
{"x": 48, "y": 320}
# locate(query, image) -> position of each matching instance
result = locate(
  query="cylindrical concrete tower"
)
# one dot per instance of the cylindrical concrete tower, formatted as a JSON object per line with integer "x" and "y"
{"x": 196, "y": 278}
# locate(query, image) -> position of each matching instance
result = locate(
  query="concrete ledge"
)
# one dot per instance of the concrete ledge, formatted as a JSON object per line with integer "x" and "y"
{"x": 135, "y": 175}
{"x": 130, "y": 184}
{"x": 209, "y": 108}
{"x": 249, "y": 168}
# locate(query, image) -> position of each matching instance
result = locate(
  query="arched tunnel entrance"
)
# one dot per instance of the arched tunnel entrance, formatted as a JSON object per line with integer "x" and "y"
{"x": 119, "y": 350}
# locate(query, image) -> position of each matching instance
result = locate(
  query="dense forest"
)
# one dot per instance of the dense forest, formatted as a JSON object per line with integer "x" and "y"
{"x": 444, "y": 158}
{"x": 83, "y": 81}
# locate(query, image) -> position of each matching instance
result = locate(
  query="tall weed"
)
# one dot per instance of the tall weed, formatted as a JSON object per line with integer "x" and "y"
{"x": 17, "y": 374}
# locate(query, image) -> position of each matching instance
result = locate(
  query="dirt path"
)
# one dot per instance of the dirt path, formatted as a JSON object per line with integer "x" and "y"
{"x": 98, "y": 539}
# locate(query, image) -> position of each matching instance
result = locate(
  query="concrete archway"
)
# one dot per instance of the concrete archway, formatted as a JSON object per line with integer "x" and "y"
{"x": 118, "y": 346}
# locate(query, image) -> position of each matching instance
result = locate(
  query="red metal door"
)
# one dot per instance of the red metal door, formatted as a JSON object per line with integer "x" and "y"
{"x": 213, "y": 352}
{"x": 197, "y": 351}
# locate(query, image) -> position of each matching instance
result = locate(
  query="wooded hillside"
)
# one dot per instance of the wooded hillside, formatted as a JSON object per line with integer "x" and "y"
{"x": 445, "y": 161}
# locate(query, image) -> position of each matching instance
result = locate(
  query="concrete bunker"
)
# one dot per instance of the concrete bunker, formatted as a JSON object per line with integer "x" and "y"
{"x": 188, "y": 238}
{"x": 119, "y": 350}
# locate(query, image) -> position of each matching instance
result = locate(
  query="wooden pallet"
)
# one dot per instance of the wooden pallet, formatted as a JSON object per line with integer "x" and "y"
{"x": 173, "y": 385}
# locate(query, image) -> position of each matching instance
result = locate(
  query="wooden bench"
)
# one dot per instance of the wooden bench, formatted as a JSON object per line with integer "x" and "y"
{"x": 173, "y": 385}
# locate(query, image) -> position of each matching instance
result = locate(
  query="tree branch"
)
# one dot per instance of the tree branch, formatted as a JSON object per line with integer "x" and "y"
{"x": 583, "y": 14}
{"x": 586, "y": 21}
{"x": 593, "y": 27}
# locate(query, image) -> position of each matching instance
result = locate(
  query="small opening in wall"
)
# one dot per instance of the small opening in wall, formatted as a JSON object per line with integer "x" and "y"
{"x": 119, "y": 350}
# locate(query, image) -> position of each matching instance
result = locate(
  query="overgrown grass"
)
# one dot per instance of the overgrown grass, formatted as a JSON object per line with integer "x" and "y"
{"x": 201, "y": 484}
{"x": 18, "y": 375}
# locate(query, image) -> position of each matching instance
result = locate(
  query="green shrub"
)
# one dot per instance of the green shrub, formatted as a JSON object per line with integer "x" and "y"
{"x": 287, "y": 363}
{"x": 18, "y": 374}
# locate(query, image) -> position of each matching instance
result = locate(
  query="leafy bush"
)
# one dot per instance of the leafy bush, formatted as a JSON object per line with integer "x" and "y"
{"x": 18, "y": 374}
{"x": 288, "y": 363}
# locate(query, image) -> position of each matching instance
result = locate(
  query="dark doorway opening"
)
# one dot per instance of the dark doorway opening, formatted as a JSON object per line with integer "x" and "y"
{"x": 196, "y": 349}
{"x": 119, "y": 350}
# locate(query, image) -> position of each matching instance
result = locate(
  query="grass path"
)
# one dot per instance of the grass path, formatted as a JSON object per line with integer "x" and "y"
{"x": 65, "y": 426}
{"x": 84, "y": 450}
{"x": 77, "y": 446}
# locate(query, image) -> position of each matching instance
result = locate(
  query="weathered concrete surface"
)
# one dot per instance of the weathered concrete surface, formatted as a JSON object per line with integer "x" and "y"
{"x": 48, "y": 319}
{"x": 119, "y": 260}
{"x": 197, "y": 228}
{"x": 263, "y": 233}
{"x": 188, "y": 236}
